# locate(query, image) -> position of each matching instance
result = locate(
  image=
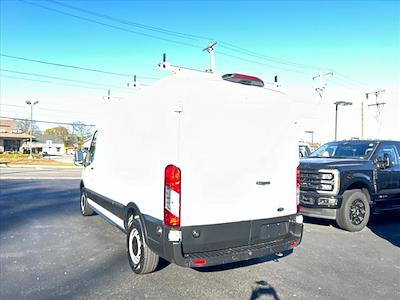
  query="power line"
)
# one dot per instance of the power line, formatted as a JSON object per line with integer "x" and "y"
{"x": 260, "y": 63}
{"x": 109, "y": 25}
{"x": 359, "y": 83}
{"x": 134, "y": 24}
{"x": 48, "y": 122}
{"x": 244, "y": 51}
{"x": 148, "y": 35}
{"x": 58, "y": 83}
{"x": 76, "y": 67}
{"x": 40, "y": 108}
{"x": 227, "y": 45}
{"x": 36, "y": 113}
{"x": 61, "y": 78}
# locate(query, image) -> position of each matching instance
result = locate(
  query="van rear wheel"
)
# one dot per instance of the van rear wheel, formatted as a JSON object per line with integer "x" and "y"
{"x": 141, "y": 258}
{"x": 355, "y": 211}
{"x": 86, "y": 210}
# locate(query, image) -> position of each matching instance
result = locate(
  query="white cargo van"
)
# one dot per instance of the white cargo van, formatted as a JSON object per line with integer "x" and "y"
{"x": 198, "y": 170}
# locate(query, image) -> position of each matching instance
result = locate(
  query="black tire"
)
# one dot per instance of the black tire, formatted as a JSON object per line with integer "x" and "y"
{"x": 355, "y": 211}
{"x": 141, "y": 258}
{"x": 86, "y": 210}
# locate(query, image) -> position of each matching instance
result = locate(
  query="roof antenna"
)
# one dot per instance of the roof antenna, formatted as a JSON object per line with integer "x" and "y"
{"x": 109, "y": 97}
{"x": 134, "y": 84}
{"x": 210, "y": 50}
{"x": 164, "y": 65}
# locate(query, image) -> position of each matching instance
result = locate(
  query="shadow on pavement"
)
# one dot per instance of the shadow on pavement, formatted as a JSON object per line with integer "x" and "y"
{"x": 263, "y": 289}
{"x": 33, "y": 199}
{"x": 162, "y": 264}
{"x": 244, "y": 263}
{"x": 386, "y": 226}
{"x": 322, "y": 222}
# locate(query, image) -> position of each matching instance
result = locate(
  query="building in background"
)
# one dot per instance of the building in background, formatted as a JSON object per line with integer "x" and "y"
{"x": 12, "y": 138}
{"x": 46, "y": 145}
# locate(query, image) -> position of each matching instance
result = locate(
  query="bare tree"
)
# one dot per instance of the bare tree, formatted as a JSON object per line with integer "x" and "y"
{"x": 24, "y": 125}
{"x": 81, "y": 131}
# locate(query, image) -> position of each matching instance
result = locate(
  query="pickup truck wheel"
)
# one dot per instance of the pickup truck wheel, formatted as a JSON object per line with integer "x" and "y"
{"x": 355, "y": 211}
{"x": 141, "y": 258}
{"x": 86, "y": 210}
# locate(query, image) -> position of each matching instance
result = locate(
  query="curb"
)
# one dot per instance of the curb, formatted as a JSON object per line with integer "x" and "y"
{"x": 39, "y": 178}
{"x": 39, "y": 166}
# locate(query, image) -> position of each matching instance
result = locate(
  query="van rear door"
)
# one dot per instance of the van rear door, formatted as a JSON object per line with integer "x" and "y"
{"x": 239, "y": 156}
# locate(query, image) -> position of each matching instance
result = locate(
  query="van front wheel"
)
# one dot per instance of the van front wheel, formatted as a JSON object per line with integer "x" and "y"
{"x": 141, "y": 258}
{"x": 86, "y": 210}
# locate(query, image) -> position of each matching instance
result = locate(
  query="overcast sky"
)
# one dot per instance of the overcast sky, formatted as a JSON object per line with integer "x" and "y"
{"x": 358, "y": 41}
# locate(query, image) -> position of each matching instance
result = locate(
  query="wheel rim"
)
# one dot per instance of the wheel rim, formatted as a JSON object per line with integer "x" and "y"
{"x": 83, "y": 202}
{"x": 135, "y": 246}
{"x": 357, "y": 212}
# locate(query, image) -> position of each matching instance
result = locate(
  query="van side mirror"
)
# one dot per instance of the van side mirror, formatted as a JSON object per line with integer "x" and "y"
{"x": 383, "y": 162}
{"x": 78, "y": 158}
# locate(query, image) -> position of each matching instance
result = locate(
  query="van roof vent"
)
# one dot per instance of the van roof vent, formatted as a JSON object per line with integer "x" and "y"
{"x": 243, "y": 79}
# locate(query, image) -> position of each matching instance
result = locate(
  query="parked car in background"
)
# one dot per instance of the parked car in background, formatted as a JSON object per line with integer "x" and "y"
{"x": 304, "y": 150}
{"x": 346, "y": 181}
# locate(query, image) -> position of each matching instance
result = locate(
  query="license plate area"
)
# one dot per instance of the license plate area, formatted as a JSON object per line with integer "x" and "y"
{"x": 274, "y": 230}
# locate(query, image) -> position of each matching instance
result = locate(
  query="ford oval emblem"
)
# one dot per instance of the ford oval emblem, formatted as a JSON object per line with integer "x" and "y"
{"x": 280, "y": 209}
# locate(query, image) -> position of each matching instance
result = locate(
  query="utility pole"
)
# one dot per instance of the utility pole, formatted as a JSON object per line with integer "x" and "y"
{"x": 376, "y": 93}
{"x": 322, "y": 84}
{"x": 210, "y": 50}
{"x": 30, "y": 130}
{"x": 378, "y": 105}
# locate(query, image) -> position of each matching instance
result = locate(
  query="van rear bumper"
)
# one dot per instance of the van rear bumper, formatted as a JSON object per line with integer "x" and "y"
{"x": 272, "y": 242}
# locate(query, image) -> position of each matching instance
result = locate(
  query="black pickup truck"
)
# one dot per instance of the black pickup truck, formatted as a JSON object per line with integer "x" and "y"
{"x": 346, "y": 181}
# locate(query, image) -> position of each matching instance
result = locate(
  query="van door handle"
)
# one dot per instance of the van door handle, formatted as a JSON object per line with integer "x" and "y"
{"x": 91, "y": 168}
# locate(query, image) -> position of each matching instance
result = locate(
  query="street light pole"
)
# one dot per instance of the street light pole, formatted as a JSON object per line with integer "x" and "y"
{"x": 337, "y": 103}
{"x": 312, "y": 136}
{"x": 30, "y": 127}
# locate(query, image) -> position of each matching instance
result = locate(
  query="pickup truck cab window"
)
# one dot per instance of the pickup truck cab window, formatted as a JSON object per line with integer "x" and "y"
{"x": 361, "y": 150}
{"x": 389, "y": 150}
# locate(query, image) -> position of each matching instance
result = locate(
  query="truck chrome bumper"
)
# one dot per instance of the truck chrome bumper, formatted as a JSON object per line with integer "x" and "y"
{"x": 322, "y": 213}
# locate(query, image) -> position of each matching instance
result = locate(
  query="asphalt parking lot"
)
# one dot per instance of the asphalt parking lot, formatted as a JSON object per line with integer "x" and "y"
{"x": 48, "y": 250}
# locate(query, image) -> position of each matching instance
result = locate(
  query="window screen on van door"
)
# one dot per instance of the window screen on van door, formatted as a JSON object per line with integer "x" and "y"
{"x": 92, "y": 150}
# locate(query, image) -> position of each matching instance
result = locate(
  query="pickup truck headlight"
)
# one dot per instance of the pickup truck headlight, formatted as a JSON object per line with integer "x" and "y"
{"x": 326, "y": 187}
{"x": 326, "y": 176}
{"x": 329, "y": 181}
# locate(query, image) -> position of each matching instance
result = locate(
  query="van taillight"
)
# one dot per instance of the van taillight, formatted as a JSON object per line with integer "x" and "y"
{"x": 298, "y": 188}
{"x": 172, "y": 196}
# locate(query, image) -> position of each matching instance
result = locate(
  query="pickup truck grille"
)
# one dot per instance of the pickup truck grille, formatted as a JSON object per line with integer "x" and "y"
{"x": 319, "y": 180}
{"x": 309, "y": 180}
